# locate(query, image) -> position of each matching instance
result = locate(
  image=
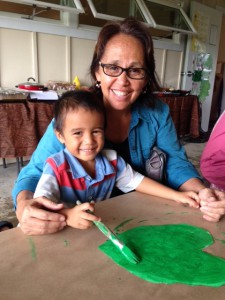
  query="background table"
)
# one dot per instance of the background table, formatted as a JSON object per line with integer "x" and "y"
{"x": 184, "y": 111}
{"x": 68, "y": 265}
{"x": 24, "y": 122}
{"x": 22, "y": 125}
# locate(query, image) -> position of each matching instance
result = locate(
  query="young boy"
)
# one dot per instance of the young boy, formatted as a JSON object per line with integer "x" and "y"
{"x": 85, "y": 172}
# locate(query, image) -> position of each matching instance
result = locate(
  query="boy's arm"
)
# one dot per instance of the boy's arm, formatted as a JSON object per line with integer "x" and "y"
{"x": 154, "y": 188}
{"x": 31, "y": 173}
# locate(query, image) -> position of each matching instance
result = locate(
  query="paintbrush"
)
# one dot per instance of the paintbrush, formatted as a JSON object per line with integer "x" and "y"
{"x": 126, "y": 251}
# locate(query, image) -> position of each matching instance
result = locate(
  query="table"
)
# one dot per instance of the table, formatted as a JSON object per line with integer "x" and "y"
{"x": 68, "y": 265}
{"x": 22, "y": 125}
{"x": 24, "y": 122}
{"x": 184, "y": 111}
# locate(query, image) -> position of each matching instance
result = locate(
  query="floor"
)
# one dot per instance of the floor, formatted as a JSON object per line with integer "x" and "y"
{"x": 8, "y": 176}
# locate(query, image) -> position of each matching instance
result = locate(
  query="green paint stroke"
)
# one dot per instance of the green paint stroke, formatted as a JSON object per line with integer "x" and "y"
{"x": 33, "y": 248}
{"x": 122, "y": 224}
{"x": 170, "y": 254}
{"x": 66, "y": 243}
{"x": 222, "y": 241}
{"x": 142, "y": 221}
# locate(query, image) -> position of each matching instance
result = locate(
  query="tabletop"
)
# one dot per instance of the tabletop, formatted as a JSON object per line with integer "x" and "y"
{"x": 69, "y": 265}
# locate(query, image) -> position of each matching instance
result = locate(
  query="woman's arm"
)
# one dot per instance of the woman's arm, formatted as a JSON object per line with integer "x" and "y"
{"x": 33, "y": 214}
{"x": 181, "y": 174}
{"x": 193, "y": 184}
{"x": 154, "y": 127}
{"x": 38, "y": 216}
{"x": 30, "y": 174}
{"x": 179, "y": 169}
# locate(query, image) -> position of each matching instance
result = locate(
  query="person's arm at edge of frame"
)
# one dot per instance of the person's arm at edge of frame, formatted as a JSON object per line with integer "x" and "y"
{"x": 214, "y": 206}
{"x": 212, "y": 161}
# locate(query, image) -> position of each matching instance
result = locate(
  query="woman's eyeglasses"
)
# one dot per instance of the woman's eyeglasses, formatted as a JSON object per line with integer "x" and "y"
{"x": 115, "y": 71}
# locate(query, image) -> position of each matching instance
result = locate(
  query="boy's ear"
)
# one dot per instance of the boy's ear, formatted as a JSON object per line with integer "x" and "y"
{"x": 59, "y": 136}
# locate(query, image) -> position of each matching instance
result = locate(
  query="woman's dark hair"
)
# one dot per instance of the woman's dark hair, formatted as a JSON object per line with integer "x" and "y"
{"x": 72, "y": 100}
{"x": 138, "y": 30}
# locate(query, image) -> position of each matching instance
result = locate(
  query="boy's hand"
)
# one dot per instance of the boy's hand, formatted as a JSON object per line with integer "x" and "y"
{"x": 78, "y": 217}
{"x": 190, "y": 198}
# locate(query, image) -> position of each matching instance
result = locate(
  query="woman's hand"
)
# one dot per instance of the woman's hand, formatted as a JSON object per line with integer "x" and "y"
{"x": 212, "y": 204}
{"x": 40, "y": 216}
{"x": 79, "y": 217}
{"x": 190, "y": 198}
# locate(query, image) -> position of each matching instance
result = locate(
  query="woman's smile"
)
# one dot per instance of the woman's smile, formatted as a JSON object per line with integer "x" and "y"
{"x": 119, "y": 93}
{"x": 122, "y": 91}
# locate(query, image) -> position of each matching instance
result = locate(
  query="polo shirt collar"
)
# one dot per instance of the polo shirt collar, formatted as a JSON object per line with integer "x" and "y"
{"x": 102, "y": 166}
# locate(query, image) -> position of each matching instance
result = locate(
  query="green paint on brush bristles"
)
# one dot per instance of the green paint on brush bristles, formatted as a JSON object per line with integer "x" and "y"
{"x": 126, "y": 251}
{"x": 130, "y": 255}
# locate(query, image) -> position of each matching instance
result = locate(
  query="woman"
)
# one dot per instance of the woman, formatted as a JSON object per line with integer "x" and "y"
{"x": 123, "y": 69}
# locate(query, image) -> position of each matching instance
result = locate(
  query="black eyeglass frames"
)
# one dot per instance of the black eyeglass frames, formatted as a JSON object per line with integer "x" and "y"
{"x": 115, "y": 71}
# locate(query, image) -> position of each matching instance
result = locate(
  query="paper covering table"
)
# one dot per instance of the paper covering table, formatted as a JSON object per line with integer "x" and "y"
{"x": 68, "y": 265}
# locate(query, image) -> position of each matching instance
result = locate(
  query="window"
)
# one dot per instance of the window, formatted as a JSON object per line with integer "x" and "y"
{"x": 158, "y": 14}
{"x": 169, "y": 17}
{"x": 97, "y": 13}
{"x": 165, "y": 17}
{"x": 116, "y": 9}
{"x": 41, "y": 8}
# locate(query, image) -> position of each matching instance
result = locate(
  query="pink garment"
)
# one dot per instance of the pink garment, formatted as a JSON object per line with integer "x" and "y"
{"x": 212, "y": 163}
{"x": 214, "y": 187}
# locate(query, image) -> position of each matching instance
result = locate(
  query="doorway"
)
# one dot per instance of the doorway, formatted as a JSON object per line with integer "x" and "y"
{"x": 208, "y": 24}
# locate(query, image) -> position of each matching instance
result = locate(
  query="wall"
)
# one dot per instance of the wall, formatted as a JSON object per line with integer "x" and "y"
{"x": 46, "y": 57}
{"x": 220, "y": 5}
{"x": 210, "y": 3}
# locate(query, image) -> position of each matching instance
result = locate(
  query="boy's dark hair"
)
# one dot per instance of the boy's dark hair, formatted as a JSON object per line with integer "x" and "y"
{"x": 72, "y": 100}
